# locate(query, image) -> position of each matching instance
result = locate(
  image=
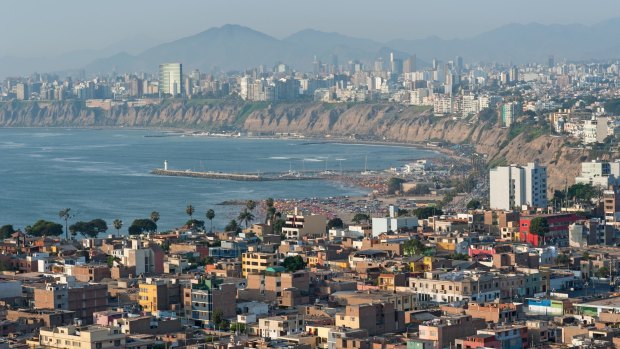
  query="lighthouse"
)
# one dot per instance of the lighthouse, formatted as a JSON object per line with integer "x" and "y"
{"x": 165, "y": 165}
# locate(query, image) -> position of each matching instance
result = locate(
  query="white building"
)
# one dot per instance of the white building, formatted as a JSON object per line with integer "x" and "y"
{"x": 279, "y": 326}
{"x": 442, "y": 105}
{"x": 392, "y": 223}
{"x": 594, "y": 130}
{"x": 513, "y": 186}
{"x": 598, "y": 173}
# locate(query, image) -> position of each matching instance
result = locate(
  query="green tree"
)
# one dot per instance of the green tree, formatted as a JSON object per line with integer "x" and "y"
{"x": 250, "y": 205}
{"x": 237, "y": 327}
{"x": 65, "y": 215}
{"x": 474, "y": 204}
{"x": 118, "y": 224}
{"x": 210, "y": 215}
{"x": 562, "y": 259}
{"x": 394, "y": 184}
{"x": 602, "y": 272}
{"x": 427, "y": 211}
{"x": 269, "y": 202}
{"x": 6, "y": 231}
{"x": 539, "y": 226}
{"x": 140, "y": 226}
{"x": 246, "y": 216}
{"x": 360, "y": 217}
{"x": 219, "y": 321}
{"x": 195, "y": 224}
{"x": 585, "y": 256}
{"x": 413, "y": 247}
{"x": 89, "y": 229}
{"x": 277, "y": 226}
{"x": 155, "y": 216}
{"x": 46, "y": 228}
{"x": 189, "y": 209}
{"x": 110, "y": 261}
{"x": 294, "y": 263}
{"x": 335, "y": 223}
{"x": 232, "y": 226}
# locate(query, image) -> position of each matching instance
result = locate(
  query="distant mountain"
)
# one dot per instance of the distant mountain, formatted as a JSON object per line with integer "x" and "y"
{"x": 522, "y": 43}
{"x": 234, "y": 47}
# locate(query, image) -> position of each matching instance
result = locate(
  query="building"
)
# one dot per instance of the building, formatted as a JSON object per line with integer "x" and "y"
{"x": 597, "y": 173}
{"x": 514, "y": 186}
{"x": 595, "y": 130}
{"x": 90, "y": 273}
{"x": 155, "y": 295}
{"x": 297, "y": 226}
{"x": 377, "y": 318}
{"x": 558, "y": 229}
{"x": 206, "y": 297}
{"x": 444, "y": 331}
{"x": 83, "y": 299}
{"x": 271, "y": 285}
{"x": 171, "y": 79}
{"x": 509, "y": 113}
{"x": 92, "y": 337}
{"x": 256, "y": 262}
{"x": 280, "y": 326}
{"x": 393, "y": 223}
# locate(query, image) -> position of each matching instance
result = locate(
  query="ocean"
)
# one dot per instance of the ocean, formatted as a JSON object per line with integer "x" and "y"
{"x": 105, "y": 173}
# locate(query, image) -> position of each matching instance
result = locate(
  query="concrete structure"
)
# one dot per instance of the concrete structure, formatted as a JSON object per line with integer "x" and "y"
{"x": 297, "y": 226}
{"x": 393, "y": 223}
{"x": 206, "y": 297}
{"x": 93, "y": 337}
{"x": 83, "y": 299}
{"x": 445, "y": 330}
{"x": 280, "y": 326}
{"x": 256, "y": 262}
{"x": 155, "y": 295}
{"x": 513, "y": 186}
{"x": 377, "y": 318}
{"x": 597, "y": 173}
{"x": 171, "y": 79}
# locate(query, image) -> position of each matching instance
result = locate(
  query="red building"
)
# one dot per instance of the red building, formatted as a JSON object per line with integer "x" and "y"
{"x": 558, "y": 229}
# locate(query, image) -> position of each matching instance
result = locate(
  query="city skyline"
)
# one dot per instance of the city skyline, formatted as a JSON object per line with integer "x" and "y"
{"x": 126, "y": 30}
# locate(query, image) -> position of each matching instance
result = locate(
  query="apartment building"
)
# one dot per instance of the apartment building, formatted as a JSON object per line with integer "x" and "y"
{"x": 275, "y": 327}
{"x": 83, "y": 299}
{"x": 257, "y": 262}
{"x": 375, "y": 318}
{"x": 92, "y": 337}
{"x": 443, "y": 332}
{"x": 207, "y": 296}
{"x": 269, "y": 286}
{"x": 155, "y": 295}
{"x": 513, "y": 186}
{"x": 297, "y": 225}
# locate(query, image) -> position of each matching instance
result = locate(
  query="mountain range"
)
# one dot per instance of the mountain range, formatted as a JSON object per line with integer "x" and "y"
{"x": 234, "y": 47}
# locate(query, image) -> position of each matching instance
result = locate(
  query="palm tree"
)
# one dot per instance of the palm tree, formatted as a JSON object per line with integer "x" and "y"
{"x": 269, "y": 202}
{"x": 246, "y": 217}
{"x": 118, "y": 224}
{"x": 66, "y": 215}
{"x": 155, "y": 216}
{"x": 190, "y": 211}
{"x": 210, "y": 215}
{"x": 250, "y": 204}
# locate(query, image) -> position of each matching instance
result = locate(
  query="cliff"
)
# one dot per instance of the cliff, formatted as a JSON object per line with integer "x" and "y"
{"x": 373, "y": 121}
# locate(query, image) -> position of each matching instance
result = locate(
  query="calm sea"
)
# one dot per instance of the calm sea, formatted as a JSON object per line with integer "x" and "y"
{"x": 105, "y": 173}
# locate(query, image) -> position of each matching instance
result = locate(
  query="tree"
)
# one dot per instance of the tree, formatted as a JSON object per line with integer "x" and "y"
{"x": 250, "y": 205}
{"x": 140, "y": 226}
{"x": 245, "y": 216}
{"x": 89, "y": 229}
{"x": 562, "y": 259}
{"x": 474, "y": 204}
{"x": 335, "y": 223}
{"x": 277, "y": 226}
{"x": 539, "y": 226}
{"x": 292, "y": 264}
{"x": 269, "y": 202}
{"x": 6, "y": 231}
{"x": 232, "y": 226}
{"x": 270, "y": 214}
{"x": 359, "y": 217}
{"x": 66, "y": 215}
{"x": 237, "y": 327}
{"x": 219, "y": 321}
{"x": 118, "y": 224}
{"x": 155, "y": 216}
{"x": 394, "y": 185}
{"x": 195, "y": 224}
{"x": 427, "y": 211}
{"x": 413, "y": 247}
{"x": 190, "y": 211}
{"x": 602, "y": 272}
{"x": 46, "y": 228}
{"x": 110, "y": 261}
{"x": 210, "y": 215}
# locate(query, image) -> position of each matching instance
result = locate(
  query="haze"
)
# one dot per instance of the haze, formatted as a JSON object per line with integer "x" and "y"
{"x": 44, "y": 28}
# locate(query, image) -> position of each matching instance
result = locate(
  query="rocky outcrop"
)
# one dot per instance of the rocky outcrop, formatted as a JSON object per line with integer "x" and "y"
{"x": 374, "y": 121}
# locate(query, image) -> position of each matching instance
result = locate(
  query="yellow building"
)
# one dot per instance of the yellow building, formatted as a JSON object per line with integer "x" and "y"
{"x": 69, "y": 337}
{"x": 257, "y": 262}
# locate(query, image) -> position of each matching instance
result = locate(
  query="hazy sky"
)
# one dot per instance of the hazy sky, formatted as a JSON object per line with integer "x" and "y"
{"x": 42, "y": 27}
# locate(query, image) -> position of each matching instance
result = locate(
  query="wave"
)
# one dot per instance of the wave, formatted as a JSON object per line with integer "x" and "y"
{"x": 279, "y": 158}
{"x": 11, "y": 145}
{"x": 313, "y": 160}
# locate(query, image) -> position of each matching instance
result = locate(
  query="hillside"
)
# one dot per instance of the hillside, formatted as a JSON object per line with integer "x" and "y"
{"x": 371, "y": 121}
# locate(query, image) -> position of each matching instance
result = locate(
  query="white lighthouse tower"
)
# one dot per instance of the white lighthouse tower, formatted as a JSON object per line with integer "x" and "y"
{"x": 165, "y": 165}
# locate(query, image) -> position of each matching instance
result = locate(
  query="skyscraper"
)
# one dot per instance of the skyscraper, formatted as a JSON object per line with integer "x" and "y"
{"x": 171, "y": 79}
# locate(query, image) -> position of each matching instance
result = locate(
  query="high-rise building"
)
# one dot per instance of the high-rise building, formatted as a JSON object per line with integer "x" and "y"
{"x": 171, "y": 79}
{"x": 513, "y": 186}
{"x": 509, "y": 113}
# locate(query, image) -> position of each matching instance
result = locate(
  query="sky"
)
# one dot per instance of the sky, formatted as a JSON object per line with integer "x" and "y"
{"x": 36, "y": 28}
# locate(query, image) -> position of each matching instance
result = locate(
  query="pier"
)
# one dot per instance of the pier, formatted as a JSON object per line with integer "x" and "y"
{"x": 211, "y": 175}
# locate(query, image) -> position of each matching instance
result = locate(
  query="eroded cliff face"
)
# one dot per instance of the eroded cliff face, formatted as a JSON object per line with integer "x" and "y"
{"x": 379, "y": 121}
